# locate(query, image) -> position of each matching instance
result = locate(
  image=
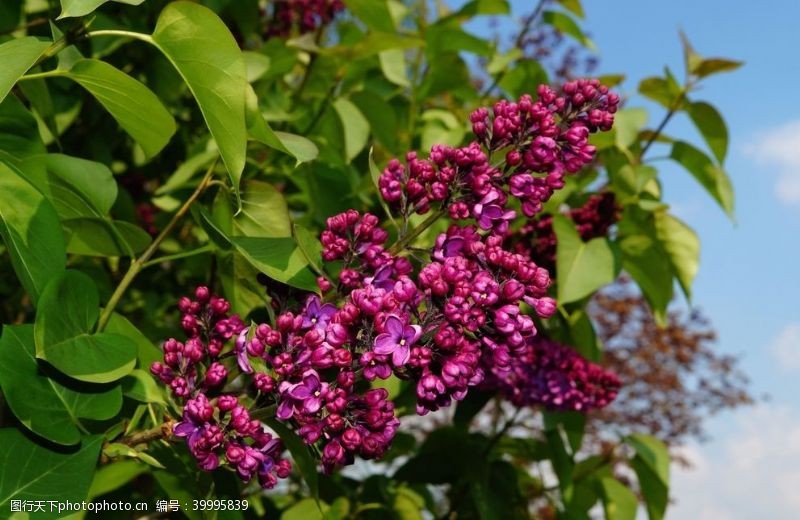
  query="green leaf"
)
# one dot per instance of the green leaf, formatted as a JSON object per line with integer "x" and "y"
{"x": 469, "y": 407}
{"x": 71, "y": 8}
{"x": 264, "y": 212}
{"x": 113, "y": 476}
{"x": 573, "y": 6}
{"x": 31, "y": 472}
{"x": 567, "y": 25}
{"x": 627, "y": 124}
{"x": 141, "y": 386}
{"x": 310, "y": 245}
{"x": 521, "y": 76}
{"x": 17, "y": 56}
{"x": 664, "y": 91}
{"x": 31, "y": 231}
{"x": 208, "y": 58}
{"x": 711, "y": 126}
{"x": 279, "y": 258}
{"x": 374, "y": 13}
{"x": 186, "y": 171}
{"x": 709, "y": 66}
{"x": 148, "y": 353}
{"x": 619, "y": 502}
{"x": 19, "y": 132}
{"x": 582, "y": 267}
{"x": 300, "y": 453}
{"x": 446, "y": 455}
{"x": 306, "y": 509}
{"x": 302, "y": 149}
{"x": 451, "y": 73}
{"x": 138, "y": 111}
{"x": 45, "y": 406}
{"x": 651, "y": 465}
{"x": 653, "y": 452}
{"x": 76, "y": 187}
{"x": 93, "y": 236}
{"x": 682, "y": 246}
{"x": 393, "y": 65}
{"x": 645, "y": 260}
{"x": 354, "y": 125}
{"x": 446, "y": 38}
{"x": 10, "y": 15}
{"x": 68, "y": 310}
{"x": 257, "y": 65}
{"x": 381, "y": 117}
{"x": 484, "y": 7}
{"x": 710, "y": 176}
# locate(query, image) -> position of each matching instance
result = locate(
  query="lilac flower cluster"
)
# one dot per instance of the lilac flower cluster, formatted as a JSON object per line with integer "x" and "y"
{"x": 545, "y": 140}
{"x": 307, "y": 366}
{"x": 218, "y": 430}
{"x": 553, "y": 375}
{"x": 594, "y": 219}
{"x": 458, "y": 315}
{"x": 303, "y": 16}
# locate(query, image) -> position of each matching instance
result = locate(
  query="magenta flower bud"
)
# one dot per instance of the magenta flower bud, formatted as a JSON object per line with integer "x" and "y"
{"x": 255, "y": 347}
{"x": 342, "y": 357}
{"x": 216, "y": 375}
{"x": 240, "y": 419}
{"x": 545, "y": 307}
{"x": 323, "y": 284}
{"x": 185, "y": 305}
{"x": 179, "y": 387}
{"x": 234, "y": 453}
{"x": 285, "y": 322}
{"x": 334, "y": 422}
{"x": 264, "y": 383}
{"x": 209, "y": 462}
{"x": 226, "y": 403}
{"x": 333, "y": 453}
{"x": 202, "y": 294}
{"x": 193, "y": 349}
{"x": 199, "y": 409}
{"x": 351, "y": 439}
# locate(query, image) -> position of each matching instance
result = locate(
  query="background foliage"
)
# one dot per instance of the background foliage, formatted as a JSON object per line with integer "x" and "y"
{"x": 147, "y": 147}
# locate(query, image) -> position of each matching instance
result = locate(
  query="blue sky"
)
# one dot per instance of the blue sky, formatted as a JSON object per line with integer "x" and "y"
{"x": 748, "y": 280}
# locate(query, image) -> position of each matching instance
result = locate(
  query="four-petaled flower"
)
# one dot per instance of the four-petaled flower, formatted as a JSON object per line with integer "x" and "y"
{"x": 304, "y": 397}
{"x": 491, "y": 214}
{"x": 397, "y": 340}
{"x": 317, "y": 315}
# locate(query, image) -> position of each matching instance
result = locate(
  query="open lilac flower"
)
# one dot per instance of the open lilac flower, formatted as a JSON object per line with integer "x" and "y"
{"x": 374, "y": 367}
{"x": 317, "y": 315}
{"x": 397, "y": 340}
{"x": 241, "y": 352}
{"x": 303, "y": 397}
{"x": 188, "y": 428}
{"x": 491, "y": 214}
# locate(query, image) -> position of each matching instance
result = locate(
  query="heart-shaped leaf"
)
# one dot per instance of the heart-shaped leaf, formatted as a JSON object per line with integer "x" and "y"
{"x": 31, "y": 472}
{"x": 31, "y": 231}
{"x": 43, "y": 405}
{"x": 583, "y": 267}
{"x": 83, "y": 7}
{"x": 68, "y": 310}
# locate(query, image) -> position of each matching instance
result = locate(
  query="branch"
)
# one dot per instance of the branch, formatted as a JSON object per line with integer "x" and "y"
{"x": 162, "y": 431}
{"x": 138, "y": 264}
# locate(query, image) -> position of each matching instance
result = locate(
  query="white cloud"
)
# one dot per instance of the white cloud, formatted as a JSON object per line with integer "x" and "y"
{"x": 754, "y": 472}
{"x": 780, "y": 147}
{"x": 786, "y": 347}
